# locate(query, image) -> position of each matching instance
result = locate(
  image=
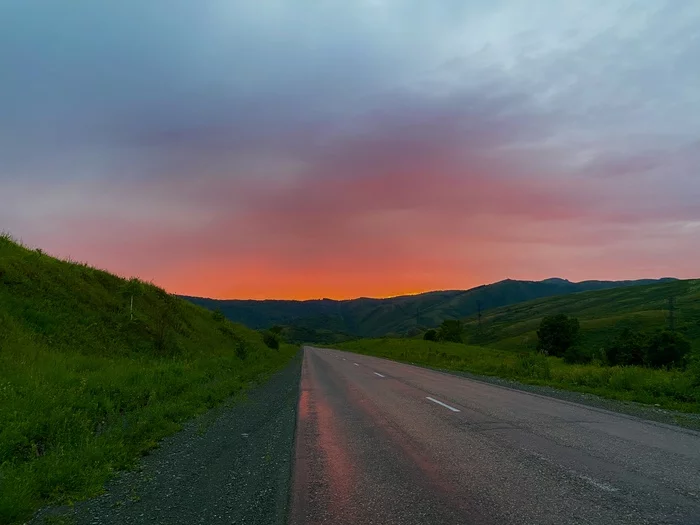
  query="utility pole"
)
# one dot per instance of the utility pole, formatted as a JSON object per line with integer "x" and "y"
{"x": 672, "y": 314}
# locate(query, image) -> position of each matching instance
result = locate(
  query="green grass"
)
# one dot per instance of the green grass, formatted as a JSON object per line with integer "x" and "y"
{"x": 669, "y": 389}
{"x": 602, "y": 314}
{"x": 85, "y": 390}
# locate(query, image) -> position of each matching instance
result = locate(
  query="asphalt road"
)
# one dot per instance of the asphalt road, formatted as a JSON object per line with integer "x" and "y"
{"x": 380, "y": 442}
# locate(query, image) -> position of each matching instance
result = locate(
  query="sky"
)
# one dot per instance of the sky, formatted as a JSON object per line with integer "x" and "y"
{"x": 321, "y": 148}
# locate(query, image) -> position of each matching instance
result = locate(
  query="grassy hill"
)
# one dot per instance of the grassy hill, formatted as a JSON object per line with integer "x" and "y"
{"x": 87, "y": 385}
{"x": 328, "y": 321}
{"x": 601, "y": 313}
{"x": 504, "y": 345}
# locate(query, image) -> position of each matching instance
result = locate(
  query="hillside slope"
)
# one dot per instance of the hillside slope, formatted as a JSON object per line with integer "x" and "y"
{"x": 366, "y": 317}
{"x": 87, "y": 385}
{"x": 601, "y": 314}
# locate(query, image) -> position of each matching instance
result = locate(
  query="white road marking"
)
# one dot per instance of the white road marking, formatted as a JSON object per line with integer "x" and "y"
{"x": 378, "y": 374}
{"x": 442, "y": 404}
{"x": 597, "y": 484}
{"x": 344, "y": 359}
{"x": 356, "y": 364}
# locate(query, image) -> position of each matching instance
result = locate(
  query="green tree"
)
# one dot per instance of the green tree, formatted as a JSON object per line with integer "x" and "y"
{"x": 557, "y": 334}
{"x": 430, "y": 335}
{"x": 627, "y": 348}
{"x": 451, "y": 331}
{"x": 271, "y": 340}
{"x": 667, "y": 349}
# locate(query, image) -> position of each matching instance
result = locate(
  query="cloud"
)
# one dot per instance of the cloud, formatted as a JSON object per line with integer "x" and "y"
{"x": 300, "y": 149}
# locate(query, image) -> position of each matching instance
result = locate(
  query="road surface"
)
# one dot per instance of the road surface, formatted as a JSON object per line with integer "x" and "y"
{"x": 379, "y": 442}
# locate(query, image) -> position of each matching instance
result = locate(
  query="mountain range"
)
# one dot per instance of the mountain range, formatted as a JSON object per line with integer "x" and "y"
{"x": 328, "y": 320}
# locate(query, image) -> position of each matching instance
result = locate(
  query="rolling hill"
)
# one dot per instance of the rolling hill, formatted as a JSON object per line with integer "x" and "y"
{"x": 328, "y": 321}
{"x": 601, "y": 313}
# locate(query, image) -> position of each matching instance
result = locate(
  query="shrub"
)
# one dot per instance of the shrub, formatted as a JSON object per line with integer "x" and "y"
{"x": 451, "y": 331}
{"x": 430, "y": 335}
{"x": 577, "y": 354}
{"x": 667, "y": 349}
{"x": 627, "y": 348}
{"x": 694, "y": 369}
{"x": 241, "y": 349}
{"x": 271, "y": 340}
{"x": 557, "y": 333}
{"x": 533, "y": 365}
{"x": 218, "y": 316}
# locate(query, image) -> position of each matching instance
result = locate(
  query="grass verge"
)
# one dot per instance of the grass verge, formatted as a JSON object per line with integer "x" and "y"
{"x": 671, "y": 389}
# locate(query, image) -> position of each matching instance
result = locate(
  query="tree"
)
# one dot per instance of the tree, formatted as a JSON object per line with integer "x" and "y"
{"x": 451, "y": 331}
{"x": 557, "y": 333}
{"x": 271, "y": 340}
{"x": 627, "y": 348}
{"x": 430, "y": 335}
{"x": 667, "y": 349}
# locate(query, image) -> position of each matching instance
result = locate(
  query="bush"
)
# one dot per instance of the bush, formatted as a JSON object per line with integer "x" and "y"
{"x": 271, "y": 340}
{"x": 241, "y": 349}
{"x": 627, "y": 348}
{"x": 451, "y": 331}
{"x": 218, "y": 316}
{"x": 667, "y": 349}
{"x": 534, "y": 365}
{"x": 577, "y": 355}
{"x": 430, "y": 335}
{"x": 557, "y": 333}
{"x": 694, "y": 369}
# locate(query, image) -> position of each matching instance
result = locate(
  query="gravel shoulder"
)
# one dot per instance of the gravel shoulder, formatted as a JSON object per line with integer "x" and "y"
{"x": 232, "y": 465}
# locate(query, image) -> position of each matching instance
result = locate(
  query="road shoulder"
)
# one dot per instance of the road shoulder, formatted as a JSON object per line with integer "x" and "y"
{"x": 230, "y": 465}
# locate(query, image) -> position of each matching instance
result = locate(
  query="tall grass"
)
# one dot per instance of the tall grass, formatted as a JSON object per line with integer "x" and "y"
{"x": 85, "y": 390}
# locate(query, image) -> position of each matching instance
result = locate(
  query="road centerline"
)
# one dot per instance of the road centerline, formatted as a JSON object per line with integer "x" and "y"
{"x": 442, "y": 404}
{"x": 378, "y": 374}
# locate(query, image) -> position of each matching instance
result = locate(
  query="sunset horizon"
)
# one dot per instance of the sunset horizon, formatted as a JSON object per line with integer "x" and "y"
{"x": 370, "y": 149}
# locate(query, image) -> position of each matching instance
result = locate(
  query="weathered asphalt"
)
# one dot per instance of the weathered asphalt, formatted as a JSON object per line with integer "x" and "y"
{"x": 375, "y": 450}
{"x": 232, "y": 466}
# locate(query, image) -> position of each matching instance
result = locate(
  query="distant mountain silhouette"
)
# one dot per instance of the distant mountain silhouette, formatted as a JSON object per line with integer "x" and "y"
{"x": 328, "y": 320}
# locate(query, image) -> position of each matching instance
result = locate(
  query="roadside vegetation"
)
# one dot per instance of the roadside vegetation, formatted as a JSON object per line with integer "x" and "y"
{"x": 637, "y": 344}
{"x": 672, "y": 389}
{"x": 89, "y": 383}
